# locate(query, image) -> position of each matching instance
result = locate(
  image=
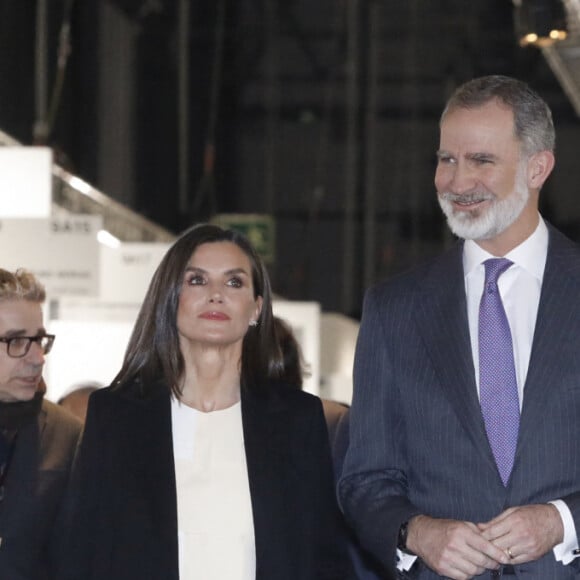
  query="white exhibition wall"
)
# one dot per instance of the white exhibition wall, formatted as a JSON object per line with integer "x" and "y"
{"x": 92, "y": 337}
{"x": 304, "y": 319}
{"x": 84, "y": 350}
{"x": 62, "y": 252}
{"x": 25, "y": 182}
{"x": 95, "y": 291}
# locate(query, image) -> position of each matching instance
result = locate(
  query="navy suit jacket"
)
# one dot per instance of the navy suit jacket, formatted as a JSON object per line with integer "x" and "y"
{"x": 418, "y": 443}
{"x": 36, "y": 483}
{"x": 365, "y": 566}
{"x": 123, "y": 516}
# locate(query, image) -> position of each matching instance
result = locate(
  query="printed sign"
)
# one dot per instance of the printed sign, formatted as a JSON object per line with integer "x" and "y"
{"x": 62, "y": 252}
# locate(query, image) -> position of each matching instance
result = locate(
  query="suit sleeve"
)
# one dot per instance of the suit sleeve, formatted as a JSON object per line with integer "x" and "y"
{"x": 373, "y": 486}
{"x": 82, "y": 512}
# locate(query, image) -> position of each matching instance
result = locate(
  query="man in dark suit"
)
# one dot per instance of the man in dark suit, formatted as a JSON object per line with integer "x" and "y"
{"x": 463, "y": 457}
{"x": 37, "y": 438}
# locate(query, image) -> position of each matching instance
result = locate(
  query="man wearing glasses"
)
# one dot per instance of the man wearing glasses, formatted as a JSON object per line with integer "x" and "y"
{"x": 37, "y": 438}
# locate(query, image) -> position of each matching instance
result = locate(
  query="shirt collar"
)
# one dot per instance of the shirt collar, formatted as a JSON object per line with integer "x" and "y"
{"x": 530, "y": 255}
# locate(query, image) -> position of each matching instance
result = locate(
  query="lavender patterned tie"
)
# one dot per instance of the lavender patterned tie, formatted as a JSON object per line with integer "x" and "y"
{"x": 497, "y": 376}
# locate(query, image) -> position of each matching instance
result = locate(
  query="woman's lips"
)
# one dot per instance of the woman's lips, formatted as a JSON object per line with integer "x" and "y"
{"x": 214, "y": 315}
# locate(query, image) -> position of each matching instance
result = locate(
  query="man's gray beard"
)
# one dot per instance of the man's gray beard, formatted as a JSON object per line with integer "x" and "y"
{"x": 490, "y": 222}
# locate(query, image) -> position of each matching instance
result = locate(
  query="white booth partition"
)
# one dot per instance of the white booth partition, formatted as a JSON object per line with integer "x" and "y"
{"x": 304, "y": 319}
{"x": 25, "y": 182}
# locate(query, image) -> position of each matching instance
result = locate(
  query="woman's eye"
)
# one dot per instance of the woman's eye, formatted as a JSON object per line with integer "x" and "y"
{"x": 235, "y": 282}
{"x": 196, "y": 281}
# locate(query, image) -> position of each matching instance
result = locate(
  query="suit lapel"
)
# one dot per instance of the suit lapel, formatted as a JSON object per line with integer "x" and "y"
{"x": 442, "y": 318}
{"x": 152, "y": 423}
{"x": 557, "y": 322}
{"x": 263, "y": 421}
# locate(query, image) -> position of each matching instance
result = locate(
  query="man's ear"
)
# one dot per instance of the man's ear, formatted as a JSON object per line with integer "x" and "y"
{"x": 540, "y": 166}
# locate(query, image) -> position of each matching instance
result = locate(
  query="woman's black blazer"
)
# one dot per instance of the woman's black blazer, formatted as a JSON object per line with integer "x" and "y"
{"x": 123, "y": 508}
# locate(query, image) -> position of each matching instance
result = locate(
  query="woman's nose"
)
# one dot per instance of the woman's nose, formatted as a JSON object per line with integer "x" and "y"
{"x": 215, "y": 296}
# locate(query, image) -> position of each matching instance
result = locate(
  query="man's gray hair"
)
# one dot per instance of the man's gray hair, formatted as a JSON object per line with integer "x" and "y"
{"x": 20, "y": 285}
{"x": 533, "y": 123}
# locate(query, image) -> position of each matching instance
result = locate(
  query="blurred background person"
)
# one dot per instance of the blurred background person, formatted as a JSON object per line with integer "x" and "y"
{"x": 76, "y": 398}
{"x": 294, "y": 366}
{"x": 295, "y": 369}
{"x": 337, "y": 420}
{"x": 37, "y": 438}
{"x": 192, "y": 464}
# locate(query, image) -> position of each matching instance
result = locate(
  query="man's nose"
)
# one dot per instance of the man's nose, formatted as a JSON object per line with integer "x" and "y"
{"x": 458, "y": 179}
{"x": 35, "y": 354}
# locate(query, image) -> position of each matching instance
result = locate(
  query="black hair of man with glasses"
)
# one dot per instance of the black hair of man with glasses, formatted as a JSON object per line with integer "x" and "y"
{"x": 37, "y": 438}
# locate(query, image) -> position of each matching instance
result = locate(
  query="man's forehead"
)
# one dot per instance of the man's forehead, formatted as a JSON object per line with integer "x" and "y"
{"x": 478, "y": 131}
{"x": 488, "y": 117}
{"x": 20, "y": 315}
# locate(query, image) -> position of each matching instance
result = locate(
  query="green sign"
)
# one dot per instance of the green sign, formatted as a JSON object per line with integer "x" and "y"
{"x": 260, "y": 229}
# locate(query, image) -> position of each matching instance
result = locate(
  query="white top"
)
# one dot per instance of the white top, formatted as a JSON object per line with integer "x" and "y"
{"x": 214, "y": 509}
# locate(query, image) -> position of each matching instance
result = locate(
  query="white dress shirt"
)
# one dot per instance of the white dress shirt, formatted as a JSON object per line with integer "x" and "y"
{"x": 519, "y": 287}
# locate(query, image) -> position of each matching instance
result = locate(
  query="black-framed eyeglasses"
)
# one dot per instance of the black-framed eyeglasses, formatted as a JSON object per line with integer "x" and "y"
{"x": 18, "y": 346}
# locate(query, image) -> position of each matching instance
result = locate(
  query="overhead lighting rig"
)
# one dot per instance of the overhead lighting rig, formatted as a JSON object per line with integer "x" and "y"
{"x": 540, "y": 22}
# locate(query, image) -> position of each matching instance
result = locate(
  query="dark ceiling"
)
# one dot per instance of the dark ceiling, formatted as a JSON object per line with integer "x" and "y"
{"x": 323, "y": 114}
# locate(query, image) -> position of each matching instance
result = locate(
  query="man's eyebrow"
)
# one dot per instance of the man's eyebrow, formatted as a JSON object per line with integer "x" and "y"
{"x": 442, "y": 154}
{"x": 13, "y": 333}
{"x": 481, "y": 155}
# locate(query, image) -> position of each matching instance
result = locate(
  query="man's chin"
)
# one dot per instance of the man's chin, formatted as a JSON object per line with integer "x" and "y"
{"x": 464, "y": 223}
{"x": 467, "y": 229}
{"x": 26, "y": 392}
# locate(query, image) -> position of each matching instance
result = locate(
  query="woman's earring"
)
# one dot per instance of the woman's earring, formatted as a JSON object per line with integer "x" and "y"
{"x": 253, "y": 323}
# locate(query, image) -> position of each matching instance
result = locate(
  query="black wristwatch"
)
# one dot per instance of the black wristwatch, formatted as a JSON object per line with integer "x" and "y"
{"x": 402, "y": 538}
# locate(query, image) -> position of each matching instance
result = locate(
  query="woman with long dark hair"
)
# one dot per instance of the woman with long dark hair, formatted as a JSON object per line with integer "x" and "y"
{"x": 194, "y": 465}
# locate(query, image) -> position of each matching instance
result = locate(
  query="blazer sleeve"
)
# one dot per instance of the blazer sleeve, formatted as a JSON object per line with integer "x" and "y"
{"x": 373, "y": 487}
{"x": 82, "y": 514}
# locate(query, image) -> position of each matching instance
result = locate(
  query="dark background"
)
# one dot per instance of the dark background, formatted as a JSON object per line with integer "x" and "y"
{"x": 322, "y": 113}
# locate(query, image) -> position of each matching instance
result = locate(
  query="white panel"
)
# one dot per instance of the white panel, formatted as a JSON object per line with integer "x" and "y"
{"x": 126, "y": 271}
{"x": 84, "y": 350}
{"x": 304, "y": 318}
{"x": 338, "y": 335}
{"x": 25, "y": 182}
{"x": 62, "y": 253}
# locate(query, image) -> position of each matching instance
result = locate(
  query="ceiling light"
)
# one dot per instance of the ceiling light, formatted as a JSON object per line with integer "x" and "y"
{"x": 540, "y": 22}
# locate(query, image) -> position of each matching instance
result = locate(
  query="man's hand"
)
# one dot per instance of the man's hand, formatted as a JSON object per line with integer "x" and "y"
{"x": 525, "y": 533}
{"x": 452, "y": 548}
